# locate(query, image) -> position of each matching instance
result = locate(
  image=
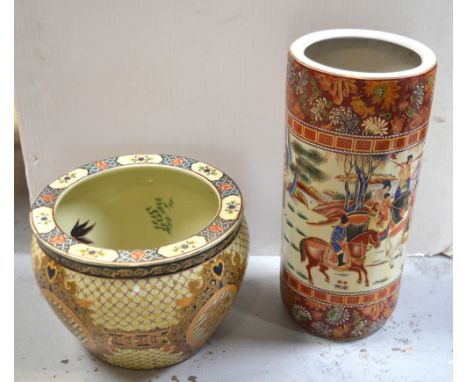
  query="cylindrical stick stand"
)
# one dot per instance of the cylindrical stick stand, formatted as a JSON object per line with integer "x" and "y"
{"x": 358, "y": 105}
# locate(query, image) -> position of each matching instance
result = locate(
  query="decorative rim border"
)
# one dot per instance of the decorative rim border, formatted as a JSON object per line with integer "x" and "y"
{"x": 53, "y": 239}
{"x": 142, "y": 271}
{"x": 355, "y": 144}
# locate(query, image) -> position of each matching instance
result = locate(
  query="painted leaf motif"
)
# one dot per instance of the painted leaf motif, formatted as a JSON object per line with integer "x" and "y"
{"x": 160, "y": 214}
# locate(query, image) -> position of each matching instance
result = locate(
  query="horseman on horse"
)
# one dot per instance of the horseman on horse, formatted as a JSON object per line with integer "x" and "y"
{"x": 355, "y": 242}
{"x": 338, "y": 238}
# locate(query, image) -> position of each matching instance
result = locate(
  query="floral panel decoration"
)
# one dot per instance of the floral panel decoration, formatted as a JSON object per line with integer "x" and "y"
{"x": 69, "y": 179}
{"x": 139, "y": 158}
{"x": 183, "y": 247}
{"x": 42, "y": 218}
{"x": 230, "y": 207}
{"x": 207, "y": 171}
{"x": 94, "y": 253}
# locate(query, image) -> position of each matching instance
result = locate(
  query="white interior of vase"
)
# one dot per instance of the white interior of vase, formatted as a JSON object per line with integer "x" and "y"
{"x": 137, "y": 207}
{"x": 363, "y": 55}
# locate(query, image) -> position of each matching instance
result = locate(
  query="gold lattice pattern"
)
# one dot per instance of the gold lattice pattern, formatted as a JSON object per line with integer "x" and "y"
{"x": 148, "y": 322}
{"x": 117, "y": 303}
{"x": 143, "y": 359}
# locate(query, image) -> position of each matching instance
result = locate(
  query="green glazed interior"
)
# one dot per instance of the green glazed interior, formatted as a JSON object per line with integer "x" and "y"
{"x": 138, "y": 207}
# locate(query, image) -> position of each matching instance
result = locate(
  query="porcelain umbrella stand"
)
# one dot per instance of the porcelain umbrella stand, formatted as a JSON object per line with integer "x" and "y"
{"x": 358, "y": 106}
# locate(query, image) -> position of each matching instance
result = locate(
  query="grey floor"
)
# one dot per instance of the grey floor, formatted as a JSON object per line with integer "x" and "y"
{"x": 257, "y": 341}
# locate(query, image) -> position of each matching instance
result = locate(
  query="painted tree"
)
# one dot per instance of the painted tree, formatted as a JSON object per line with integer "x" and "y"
{"x": 305, "y": 165}
{"x": 358, "y": 168}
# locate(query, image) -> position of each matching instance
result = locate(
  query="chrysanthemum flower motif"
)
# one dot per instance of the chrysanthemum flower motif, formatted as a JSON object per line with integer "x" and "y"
{"x": 384, "y": 93}
{"x": 300, "y": 313}
{"x": 360, "y": 328}
{"x": 318, "y": 109}
{"x": 337, "y": 315}
{"x": 375, "y": 126}
{"x": 321, "y": 328}
{"x": 344, "y": 120}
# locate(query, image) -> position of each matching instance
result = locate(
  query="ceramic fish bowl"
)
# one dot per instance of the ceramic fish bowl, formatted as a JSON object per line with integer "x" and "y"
{"x": 140, "y": 256}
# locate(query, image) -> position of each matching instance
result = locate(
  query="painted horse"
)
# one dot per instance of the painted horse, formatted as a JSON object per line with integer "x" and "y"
{"x": 314, "y": 250}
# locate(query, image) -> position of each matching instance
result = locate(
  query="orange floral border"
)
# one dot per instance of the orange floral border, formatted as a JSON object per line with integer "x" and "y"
{"x": 355, "y": 144}
{"x": 335, "y": 112}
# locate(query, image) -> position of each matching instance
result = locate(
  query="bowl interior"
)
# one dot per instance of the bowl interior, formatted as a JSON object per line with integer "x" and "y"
{"x": 137, "y": 207}
{"x": 362, "y": 55}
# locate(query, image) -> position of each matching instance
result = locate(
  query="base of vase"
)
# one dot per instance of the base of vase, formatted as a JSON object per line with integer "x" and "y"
{"x": 339, "y": 322}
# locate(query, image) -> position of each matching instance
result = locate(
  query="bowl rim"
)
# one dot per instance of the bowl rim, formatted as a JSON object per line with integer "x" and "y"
{"x": 54, "y": 240}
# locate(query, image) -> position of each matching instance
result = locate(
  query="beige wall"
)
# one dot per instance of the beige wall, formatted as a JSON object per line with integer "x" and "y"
{"x": 96, "y": 78}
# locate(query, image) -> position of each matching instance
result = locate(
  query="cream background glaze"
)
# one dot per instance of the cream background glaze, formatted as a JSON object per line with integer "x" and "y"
{"x": 377, "y": 262}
